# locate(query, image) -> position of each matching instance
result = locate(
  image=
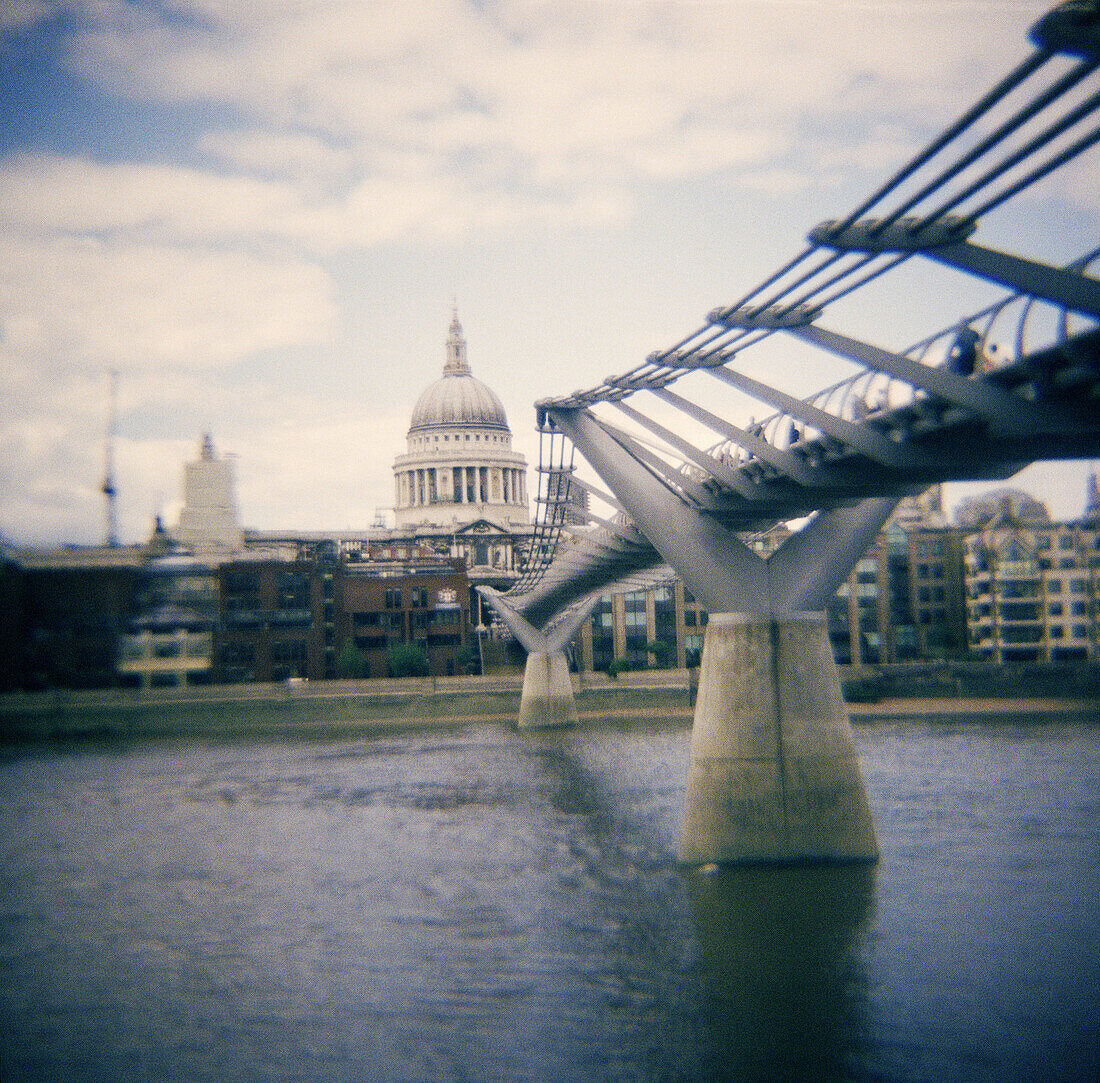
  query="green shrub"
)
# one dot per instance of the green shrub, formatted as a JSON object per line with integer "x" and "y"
{"x": 617, "y": 666}
{"x": 660, "y": 651}
{"x": 466, "y": 661}
{"x": 407, "y": 660}
{"x": 350, "y": 661}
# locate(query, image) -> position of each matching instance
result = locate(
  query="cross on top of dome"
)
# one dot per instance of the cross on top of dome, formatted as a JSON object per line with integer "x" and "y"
{"x": 456, "y": 363}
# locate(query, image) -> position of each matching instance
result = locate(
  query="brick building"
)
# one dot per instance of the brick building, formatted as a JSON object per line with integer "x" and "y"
{"x": 404, "y": 595}
{"x": 271, "y": 620}
{"x": 73, "y": 604}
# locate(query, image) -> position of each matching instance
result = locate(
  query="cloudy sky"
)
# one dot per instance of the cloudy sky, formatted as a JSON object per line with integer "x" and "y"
{"x": 259, "y": 212}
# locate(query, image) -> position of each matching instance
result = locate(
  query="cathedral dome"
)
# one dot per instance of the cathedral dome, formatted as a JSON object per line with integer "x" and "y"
{"x": 456, "y": 398}
{"x": 459, "y": 468}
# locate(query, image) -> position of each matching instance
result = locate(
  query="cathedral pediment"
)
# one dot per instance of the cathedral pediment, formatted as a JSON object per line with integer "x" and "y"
{"x": 482, "y": 528}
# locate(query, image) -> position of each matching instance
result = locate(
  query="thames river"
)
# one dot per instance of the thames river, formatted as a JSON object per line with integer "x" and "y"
{"x": 475, "y": 903}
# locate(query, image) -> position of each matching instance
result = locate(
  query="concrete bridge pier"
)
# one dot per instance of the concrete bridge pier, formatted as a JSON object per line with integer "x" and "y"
{"x": 547, "y": 698}
{"x": 774, "y": 775}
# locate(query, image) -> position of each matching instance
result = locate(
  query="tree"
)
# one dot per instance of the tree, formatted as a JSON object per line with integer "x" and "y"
{"x": 617, "y": 666}
{"x": 659, "y": 649}
{"x": 465, "y": 660}
{"x": 350, "y": 661}
{"x": 407, "y": 660}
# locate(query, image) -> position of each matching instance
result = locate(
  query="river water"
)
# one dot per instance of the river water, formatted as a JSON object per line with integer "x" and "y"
{"x": 477, "y": 903}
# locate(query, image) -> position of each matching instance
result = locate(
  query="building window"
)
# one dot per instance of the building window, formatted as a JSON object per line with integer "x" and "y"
{"x": 294, "y": 590}
{"x": 290, "y": 652}
{"x": 693, "y": 648}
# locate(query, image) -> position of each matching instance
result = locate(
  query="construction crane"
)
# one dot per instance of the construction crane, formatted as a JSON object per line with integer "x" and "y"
{"x": 109, "y": 490}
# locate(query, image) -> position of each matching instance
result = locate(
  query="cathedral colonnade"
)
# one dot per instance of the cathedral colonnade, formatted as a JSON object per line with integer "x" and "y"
{"x": 474, "y": 483}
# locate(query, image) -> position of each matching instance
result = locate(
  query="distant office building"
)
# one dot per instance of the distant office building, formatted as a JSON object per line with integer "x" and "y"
{"x": 623, "y": 626}
{"x": 209, "y": 521}
{"x": 923, "y": 510}
{"x": 311, "y": 614}
{"x": 1031, "y": 584}
{"x": 74, "y": 604}
{"x": 858, "y": 613}
{"x": 271, "y": 620}
{"x": 394, "y": 596}
{"x": 170, "y": 640}
{"x": 937, "y": 591}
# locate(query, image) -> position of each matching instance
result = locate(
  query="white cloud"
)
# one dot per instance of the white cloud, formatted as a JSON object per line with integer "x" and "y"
{"x": 566, "y": 92}
{"x": 77, "y": 195}
{"x": 304, "y": 159}
{"x": 20, "y": 14}
{"x": 406, "y": 198}
{"x": 118, "y": 304}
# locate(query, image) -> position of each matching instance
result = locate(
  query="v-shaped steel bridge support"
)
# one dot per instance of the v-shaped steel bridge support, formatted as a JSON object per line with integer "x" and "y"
{"x": 774, "y": 775}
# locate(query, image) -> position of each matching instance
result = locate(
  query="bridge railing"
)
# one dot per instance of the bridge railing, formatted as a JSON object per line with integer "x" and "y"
{"x": 1010, "y": 329}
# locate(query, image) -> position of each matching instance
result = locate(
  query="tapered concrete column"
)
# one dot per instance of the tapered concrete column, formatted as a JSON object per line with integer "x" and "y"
{"x": 774, "y": 776}
{"x": 547, "y": 698}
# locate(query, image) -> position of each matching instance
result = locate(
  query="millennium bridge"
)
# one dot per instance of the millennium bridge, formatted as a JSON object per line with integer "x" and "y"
{"x": 774, "y": 776}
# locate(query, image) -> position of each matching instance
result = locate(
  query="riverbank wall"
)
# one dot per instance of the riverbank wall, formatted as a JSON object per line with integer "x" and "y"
{"x": 305, "y": 709}
{"x": 346, "y": 708}
{"x": 974, "y": 680}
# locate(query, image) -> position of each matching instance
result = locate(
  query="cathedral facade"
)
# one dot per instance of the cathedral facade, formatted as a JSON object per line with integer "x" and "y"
{"x": 459, "y": 466}
{"x": 459, "y": 487}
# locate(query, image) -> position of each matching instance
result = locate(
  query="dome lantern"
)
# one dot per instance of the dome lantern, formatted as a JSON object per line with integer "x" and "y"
{"x": 456, "y": 363}
{"x": 457, "y": 398}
